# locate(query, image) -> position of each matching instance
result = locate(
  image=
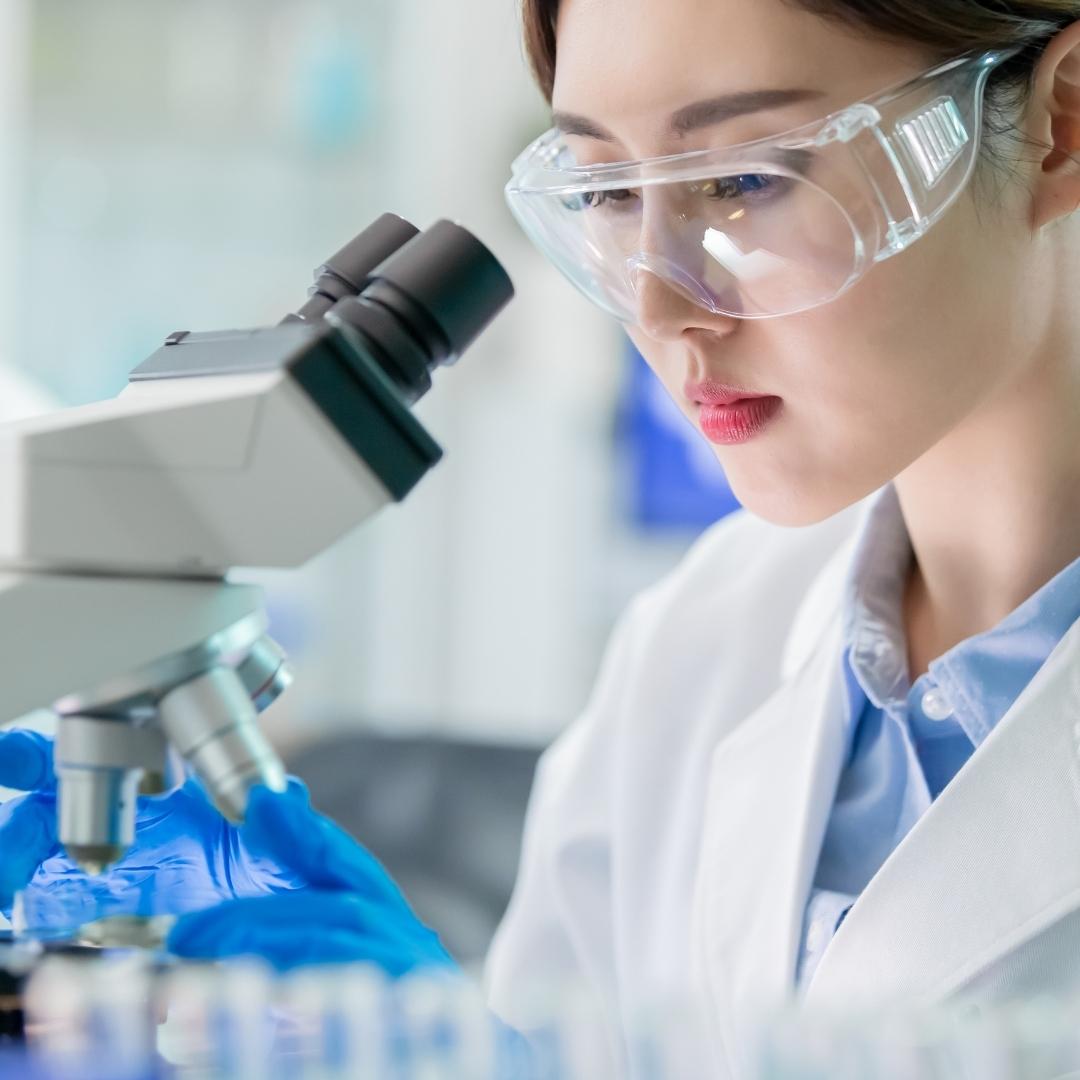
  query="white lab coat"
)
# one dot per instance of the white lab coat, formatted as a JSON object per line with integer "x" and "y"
{"x": 674, "y": 829}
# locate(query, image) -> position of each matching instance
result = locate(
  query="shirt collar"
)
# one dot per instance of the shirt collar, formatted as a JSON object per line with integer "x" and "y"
{"x": 981, "y": 676}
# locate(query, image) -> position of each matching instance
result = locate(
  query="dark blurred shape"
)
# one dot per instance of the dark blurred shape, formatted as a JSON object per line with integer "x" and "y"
{"x": 444, "y": 817}
{"x": 12, "y": 979}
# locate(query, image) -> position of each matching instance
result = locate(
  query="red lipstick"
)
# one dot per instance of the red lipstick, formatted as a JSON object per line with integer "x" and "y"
{"x": 729, "y": 414}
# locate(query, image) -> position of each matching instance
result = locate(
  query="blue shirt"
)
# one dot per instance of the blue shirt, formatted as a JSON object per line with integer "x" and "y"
{"x": 906, "y": 742}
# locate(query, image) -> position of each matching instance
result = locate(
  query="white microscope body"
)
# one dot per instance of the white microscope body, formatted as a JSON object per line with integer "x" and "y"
{"x": 253, "y": 448}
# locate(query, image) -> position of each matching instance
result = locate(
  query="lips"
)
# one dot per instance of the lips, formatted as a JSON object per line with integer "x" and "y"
{"x": 728, "y": 414}
{"x": 710, "y": 392}
{"x": 729, "y": 425}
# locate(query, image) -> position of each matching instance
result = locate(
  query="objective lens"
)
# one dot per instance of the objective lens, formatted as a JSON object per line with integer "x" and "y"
{"x": 97, "y": 815}
{"x": 99, "y": 763}
{"x": 211, "y": 720}
{"x": 265, "y": 672}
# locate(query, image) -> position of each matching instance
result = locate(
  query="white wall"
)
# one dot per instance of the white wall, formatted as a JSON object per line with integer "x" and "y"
{"x": 14, "y": 27}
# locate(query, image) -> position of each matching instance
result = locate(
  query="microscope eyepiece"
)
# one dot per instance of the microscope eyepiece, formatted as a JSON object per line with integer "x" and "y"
{"x": 347, "y": 271}
{"x": 446, "y": 284}
{"x": 419, "y": 299}
{"x": 426, "y": 304}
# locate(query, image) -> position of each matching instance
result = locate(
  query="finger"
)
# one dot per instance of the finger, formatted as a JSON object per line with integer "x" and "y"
{"x": 26, "y": 761}
{"x": 27, "y": 839}
{"x": 281, "y": 947}
{"x": 302, "y": 840}
{"x": 246, "y": 925}
{"x": 294, "y": 911}
{"x": 284, "y": 947}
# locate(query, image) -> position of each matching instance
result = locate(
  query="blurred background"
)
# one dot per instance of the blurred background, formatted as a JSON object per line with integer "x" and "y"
{"x": 185, "y": 164}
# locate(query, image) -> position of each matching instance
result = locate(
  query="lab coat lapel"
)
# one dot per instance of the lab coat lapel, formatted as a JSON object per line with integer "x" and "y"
{"x": 771, "y": 786}
{"x": 995, "y": 860}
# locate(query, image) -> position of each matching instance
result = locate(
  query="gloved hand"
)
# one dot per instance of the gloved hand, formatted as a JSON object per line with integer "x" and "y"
{"x": 186, "y": 856}
{"x": 352, "y": 911}
{"x": 27, "y": 824}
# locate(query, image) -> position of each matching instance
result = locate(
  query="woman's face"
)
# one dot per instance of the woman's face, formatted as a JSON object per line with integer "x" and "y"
{"x": 869, "y": 382}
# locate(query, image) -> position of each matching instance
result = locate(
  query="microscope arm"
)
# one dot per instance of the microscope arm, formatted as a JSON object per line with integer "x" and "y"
{"x": 91, "y": 644}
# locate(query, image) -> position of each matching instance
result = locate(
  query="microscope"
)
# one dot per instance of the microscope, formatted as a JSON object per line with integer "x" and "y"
{"x": 253, "y": 448}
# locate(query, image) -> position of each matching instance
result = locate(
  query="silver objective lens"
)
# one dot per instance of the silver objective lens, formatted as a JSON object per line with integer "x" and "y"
{"x": 212, "y": 721}
{"x": 97, "y": 815}
{"x": 265, "y": 672}
{"x": 99, "y": 764}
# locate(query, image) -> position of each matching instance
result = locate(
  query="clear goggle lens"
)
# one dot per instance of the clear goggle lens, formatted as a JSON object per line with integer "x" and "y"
{"x": 749, "y": 244}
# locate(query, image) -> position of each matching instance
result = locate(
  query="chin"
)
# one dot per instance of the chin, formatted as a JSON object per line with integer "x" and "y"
{"x": 793, "y": 503}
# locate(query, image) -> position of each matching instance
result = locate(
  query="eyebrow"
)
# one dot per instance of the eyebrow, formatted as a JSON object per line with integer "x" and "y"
{"x": 698, "y": 115}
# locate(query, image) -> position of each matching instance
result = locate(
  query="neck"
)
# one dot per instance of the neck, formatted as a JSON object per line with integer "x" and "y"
{"x": 993, "y": 510}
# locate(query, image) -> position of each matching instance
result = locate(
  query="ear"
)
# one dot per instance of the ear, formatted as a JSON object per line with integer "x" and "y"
{"x": 1053, "y": 122}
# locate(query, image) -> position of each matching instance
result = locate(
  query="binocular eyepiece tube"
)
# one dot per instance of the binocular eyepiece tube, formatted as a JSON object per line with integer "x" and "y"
{"x": 419, "y": 299}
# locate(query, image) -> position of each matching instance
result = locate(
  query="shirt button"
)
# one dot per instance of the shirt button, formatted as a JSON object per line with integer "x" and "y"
{"x": 935, "y": 705}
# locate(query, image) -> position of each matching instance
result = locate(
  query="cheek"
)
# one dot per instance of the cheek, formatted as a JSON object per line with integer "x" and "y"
{"x": 911, "y": 348}
{"x": 872, "y": 381}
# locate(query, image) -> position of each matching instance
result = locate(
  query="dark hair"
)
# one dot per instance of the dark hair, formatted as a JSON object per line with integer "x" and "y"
{"x": 946, "y": 28}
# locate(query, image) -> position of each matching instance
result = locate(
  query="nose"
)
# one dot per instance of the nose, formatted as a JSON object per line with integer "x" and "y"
{"x": 666, "y": 273}
{"x": 667, "y": 307}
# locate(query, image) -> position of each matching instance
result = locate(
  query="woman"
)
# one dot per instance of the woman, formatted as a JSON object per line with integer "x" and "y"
{"x": 841, "y": 759}
{"x": 835, "y": 753}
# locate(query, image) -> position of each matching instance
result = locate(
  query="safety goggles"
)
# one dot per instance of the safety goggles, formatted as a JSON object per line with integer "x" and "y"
{"x": 765, "y": 228}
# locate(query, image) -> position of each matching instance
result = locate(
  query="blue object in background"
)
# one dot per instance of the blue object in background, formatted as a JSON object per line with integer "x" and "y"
{"x": 335, "y": 92}
{"x": 675, "y": 480}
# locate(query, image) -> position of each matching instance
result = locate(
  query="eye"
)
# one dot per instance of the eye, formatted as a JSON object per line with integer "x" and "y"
{"x": 595, "y": 200}
{"x": 751, "y": 186}
{"x": 760, "y": 187}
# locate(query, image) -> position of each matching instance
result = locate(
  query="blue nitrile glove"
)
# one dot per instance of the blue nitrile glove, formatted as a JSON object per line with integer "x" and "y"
{"x": 351, "y": 912}
{"x": 186, "y": 855}
{"x": 28, "y": 823}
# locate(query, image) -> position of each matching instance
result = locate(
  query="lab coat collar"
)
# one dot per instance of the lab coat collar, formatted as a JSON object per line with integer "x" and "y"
{"x": 873, "y": 597}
